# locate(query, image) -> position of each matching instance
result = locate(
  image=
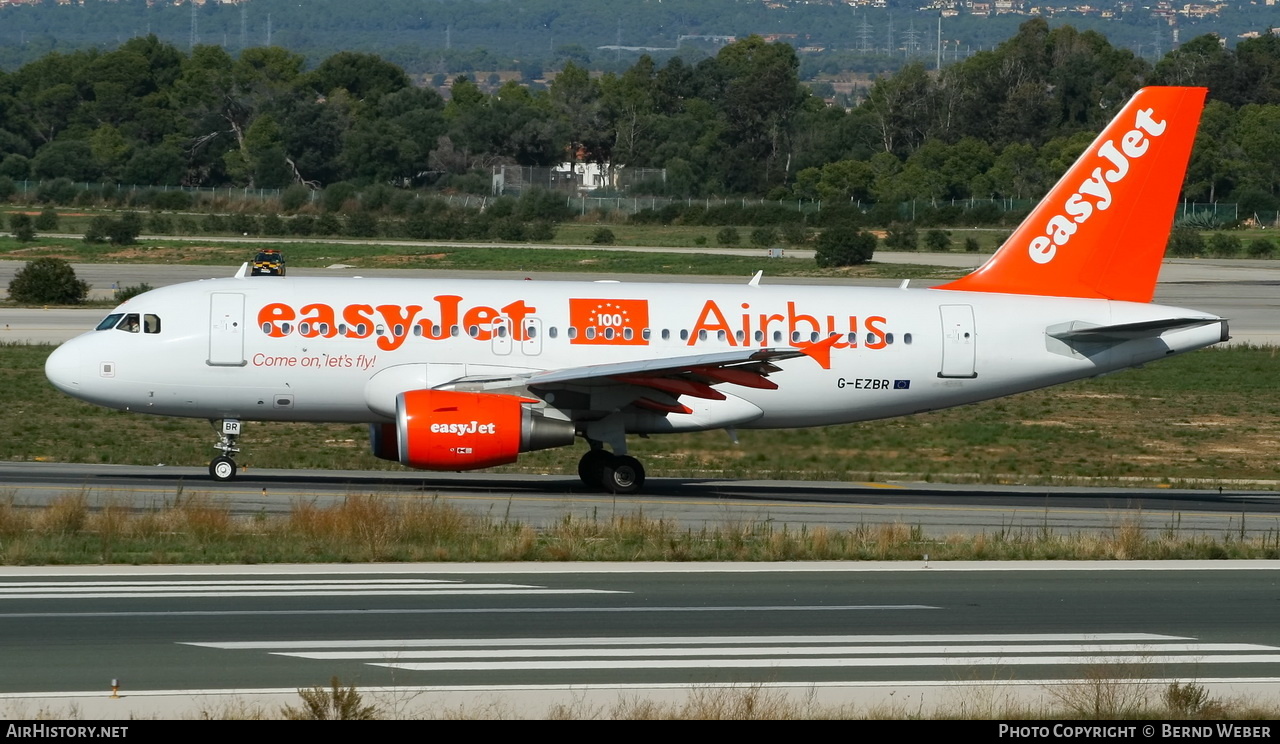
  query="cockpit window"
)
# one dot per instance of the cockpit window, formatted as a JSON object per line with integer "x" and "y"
{"x": 130, "y": 323}
{"x": 109, "y": 322}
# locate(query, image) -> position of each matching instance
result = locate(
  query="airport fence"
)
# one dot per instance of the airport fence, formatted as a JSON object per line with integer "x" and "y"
{"x": 67, "y": 193}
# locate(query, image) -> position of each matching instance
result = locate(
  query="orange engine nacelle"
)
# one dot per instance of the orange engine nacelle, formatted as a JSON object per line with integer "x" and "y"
{"x": 447, "y": 430}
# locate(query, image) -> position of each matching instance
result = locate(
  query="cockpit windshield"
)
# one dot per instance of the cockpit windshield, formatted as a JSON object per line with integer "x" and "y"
{"x": 130, "y": 323}
{"x": 109, "y": 322}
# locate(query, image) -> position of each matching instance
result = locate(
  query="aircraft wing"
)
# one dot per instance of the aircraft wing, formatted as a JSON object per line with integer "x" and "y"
{"x": 657, "y": 384}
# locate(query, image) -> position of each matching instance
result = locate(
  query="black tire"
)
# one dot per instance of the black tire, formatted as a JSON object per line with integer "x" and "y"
{"x": 623, "y": 475}
{"x": 222, "y": 469}
{"x": 591, "y": 467}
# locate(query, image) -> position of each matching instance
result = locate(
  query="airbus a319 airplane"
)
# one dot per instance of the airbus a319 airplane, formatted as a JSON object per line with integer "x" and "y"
{"x": 458, "y": 375}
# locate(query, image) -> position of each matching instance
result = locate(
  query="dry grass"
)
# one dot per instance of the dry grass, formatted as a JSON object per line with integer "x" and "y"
{"x": 196, "y": 528}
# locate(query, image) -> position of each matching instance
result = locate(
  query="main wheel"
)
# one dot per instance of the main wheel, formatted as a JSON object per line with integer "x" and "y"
{"x": 591, "y": 466}
{"x": 624, "y": 475}
{"x": 222, "y": 468}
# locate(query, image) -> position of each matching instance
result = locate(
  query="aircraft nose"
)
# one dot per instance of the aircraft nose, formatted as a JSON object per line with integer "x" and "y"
{"x": 64, "y": 370}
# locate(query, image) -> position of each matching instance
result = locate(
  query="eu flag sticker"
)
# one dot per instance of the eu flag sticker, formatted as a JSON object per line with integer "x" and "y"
{"x": 902, "y": 384}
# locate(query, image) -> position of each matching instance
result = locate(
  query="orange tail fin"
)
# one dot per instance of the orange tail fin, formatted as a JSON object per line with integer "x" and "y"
{"x": 1101, "y": 231}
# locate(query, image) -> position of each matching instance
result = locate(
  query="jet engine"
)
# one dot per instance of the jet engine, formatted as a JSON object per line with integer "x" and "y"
{"x": 449, "y": 430}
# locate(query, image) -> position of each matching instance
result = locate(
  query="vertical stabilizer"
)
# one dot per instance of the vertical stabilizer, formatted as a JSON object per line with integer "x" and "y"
{"x": 1102, "y": 230}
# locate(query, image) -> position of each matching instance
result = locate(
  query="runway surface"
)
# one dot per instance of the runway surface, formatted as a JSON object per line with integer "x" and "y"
{"x": 430, "y": 637}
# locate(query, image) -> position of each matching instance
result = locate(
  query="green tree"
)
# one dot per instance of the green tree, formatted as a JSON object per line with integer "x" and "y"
{"x": 47, "y": 281}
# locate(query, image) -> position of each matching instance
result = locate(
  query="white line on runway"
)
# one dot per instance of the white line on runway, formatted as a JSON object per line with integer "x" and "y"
{"x": 467, "y": 610}
{"x": 615, "y": 653}
{"x": 909, "y": 661}
{"x": 705, "y": 640}
{"x": 302, "y": 593}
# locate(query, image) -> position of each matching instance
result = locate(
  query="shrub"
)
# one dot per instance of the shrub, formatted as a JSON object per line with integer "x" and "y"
{"x": 125, "y": 231}
{"x": 295, "y": 197}
{"x": 728, "y": 236}
{"x": 173, "y": 201}
{"x": 842, "y": 245}
{"x": 540, "y": 204}
{"x": 99, "y": 229}
{"x": 20, "y": 224}
{"x": 303, "y": 224}
{"x": 362, "y": 224}
{"x": 1184, "y": 241}
{"x": 793, "y": 233}
{"x": 7, "y": 188}
{"x": 328, "y": 224}
{"x": 602, "y": 236}
{"x": 335, "y": 704}
{"x": 764, "y": 236}
{"x": 242, "y": 224}
{"x": 128, "y": 293}
{"x": 337, "y": 195}
{"x": 508, "y": 229}
{"x": 47, "y": 219}
{"x": 540, "y": 231}
{"x": 1261, "y": 248}
{"x": 213, "y": 223}
{"x": 271, "y": 224}
{"x": 376, "y": 197}
{"x": 901, "y": 237}
{"x": 57, "y": 191}
{"x": 160, "y": 224}
{"x": 1223, "y": 245}
{"x": 971, "y": 245}
{"x": 47, "y": 281}
{"x": 937, "y": 240}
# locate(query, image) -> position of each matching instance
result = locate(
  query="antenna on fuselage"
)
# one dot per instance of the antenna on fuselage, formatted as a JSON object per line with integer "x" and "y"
{"x": 755, "y": 280}
{"x": 244, "y": 270}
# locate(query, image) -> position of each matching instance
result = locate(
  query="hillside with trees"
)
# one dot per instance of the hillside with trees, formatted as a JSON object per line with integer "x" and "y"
{"x": 1001, "y": 124}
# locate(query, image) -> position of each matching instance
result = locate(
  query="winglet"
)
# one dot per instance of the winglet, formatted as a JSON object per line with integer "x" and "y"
{"x": 1102, "y": 230}
{"x": 819, "y": 351}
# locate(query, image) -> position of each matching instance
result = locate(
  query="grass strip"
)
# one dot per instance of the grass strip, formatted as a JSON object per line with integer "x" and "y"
{"x": 195, "y": 528}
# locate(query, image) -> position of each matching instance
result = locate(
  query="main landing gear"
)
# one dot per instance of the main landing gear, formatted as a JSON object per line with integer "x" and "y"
{"x": 619, "y": 474}
{"x": 223, "y": 468}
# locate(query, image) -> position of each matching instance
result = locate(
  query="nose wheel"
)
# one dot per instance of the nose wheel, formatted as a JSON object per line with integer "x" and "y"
{"x": 620, "y": 474}
{"x": 223, "y": 468}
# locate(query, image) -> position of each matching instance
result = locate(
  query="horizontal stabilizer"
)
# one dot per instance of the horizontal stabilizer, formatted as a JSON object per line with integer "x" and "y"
{"x": 1131, "y": 331}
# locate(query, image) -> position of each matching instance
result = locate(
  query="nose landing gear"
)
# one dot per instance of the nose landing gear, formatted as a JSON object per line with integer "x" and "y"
{"x": 223, "y": 468}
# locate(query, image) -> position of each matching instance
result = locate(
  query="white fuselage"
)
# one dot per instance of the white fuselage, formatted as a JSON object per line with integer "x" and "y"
{"x": 341, "y": 349}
